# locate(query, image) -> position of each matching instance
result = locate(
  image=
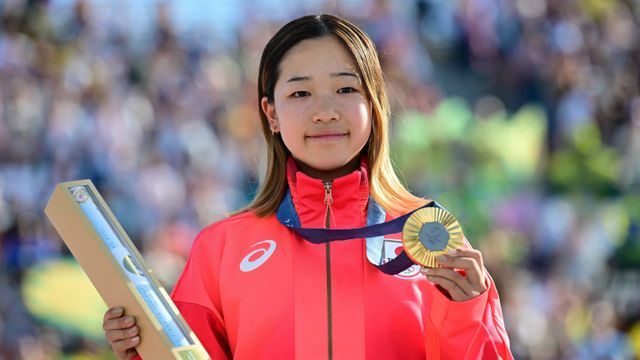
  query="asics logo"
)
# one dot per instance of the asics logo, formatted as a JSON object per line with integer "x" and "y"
{"x": 250, "y": 262}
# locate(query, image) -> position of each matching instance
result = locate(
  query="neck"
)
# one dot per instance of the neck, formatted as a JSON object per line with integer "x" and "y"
{"x": 329, "y": 175}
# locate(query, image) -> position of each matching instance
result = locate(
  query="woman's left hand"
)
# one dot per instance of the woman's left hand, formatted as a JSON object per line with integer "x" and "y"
{"x": 459, "y": 286}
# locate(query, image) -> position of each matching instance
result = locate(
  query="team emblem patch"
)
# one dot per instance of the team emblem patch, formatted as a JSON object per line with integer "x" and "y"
{"x": 391, "y": 249}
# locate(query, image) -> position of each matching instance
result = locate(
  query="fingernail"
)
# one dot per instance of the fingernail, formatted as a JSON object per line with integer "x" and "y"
{"x": 441, "y": 258}
{"x": 132, "y": 330}
{"x": 451, "y": 252}
{"x": 129, "y": 320}
{"x": 135, "y": 339}
{"x": 117, "y": 311}
{"x": 425, "y": 270}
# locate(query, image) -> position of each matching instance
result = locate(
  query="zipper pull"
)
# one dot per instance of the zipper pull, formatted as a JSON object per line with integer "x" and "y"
{"x": 328, "y": 198}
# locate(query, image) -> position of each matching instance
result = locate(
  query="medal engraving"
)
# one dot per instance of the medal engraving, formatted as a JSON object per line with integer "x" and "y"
{"x": 434, "y": 236}
{"x": 430, "y": 232}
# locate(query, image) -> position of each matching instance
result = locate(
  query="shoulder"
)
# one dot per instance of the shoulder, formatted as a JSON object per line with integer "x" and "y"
{"x": 243, "y": 219}
{"x": 398, "y": 209}
{"x": 232, "y": 225}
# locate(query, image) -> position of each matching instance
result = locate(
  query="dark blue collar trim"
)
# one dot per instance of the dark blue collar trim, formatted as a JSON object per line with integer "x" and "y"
{"x": 376, "y": 228}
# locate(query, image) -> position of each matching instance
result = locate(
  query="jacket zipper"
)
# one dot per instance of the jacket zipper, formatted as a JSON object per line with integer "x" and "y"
{"x": 328, "y": 200}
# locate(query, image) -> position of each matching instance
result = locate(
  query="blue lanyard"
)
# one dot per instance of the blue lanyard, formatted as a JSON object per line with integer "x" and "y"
{"x": 374, "y": 232}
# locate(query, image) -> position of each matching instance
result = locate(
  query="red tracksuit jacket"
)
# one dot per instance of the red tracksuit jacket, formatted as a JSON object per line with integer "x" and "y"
{"x": 252, "y": 289}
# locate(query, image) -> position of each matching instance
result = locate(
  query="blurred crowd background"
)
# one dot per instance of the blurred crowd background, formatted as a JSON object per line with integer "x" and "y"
{"x": 522, "y": 117}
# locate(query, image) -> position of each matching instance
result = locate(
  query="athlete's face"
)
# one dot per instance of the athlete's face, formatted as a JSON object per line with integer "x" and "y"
{"x": 320, "y": 107}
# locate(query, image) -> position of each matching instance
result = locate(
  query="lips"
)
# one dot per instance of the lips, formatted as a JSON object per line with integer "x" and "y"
{"x": 327, "y": 135}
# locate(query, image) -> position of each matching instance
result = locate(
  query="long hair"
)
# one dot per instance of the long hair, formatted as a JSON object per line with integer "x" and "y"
{"x": 385, "y": 187}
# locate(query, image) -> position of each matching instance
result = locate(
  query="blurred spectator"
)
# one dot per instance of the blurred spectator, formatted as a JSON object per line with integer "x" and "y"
{"x": 522, "y": 117}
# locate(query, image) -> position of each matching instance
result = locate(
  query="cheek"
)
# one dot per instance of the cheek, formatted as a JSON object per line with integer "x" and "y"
{"x": 291, "y": 128}
{"x": 362, "y": 117}
{"x": 289, "y": 121}
{"x": 285, "y": 114}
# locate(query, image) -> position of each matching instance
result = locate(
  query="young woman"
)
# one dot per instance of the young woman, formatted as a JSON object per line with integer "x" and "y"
{"x": 254, "y": 289}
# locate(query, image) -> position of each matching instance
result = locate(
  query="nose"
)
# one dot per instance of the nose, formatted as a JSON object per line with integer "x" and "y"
{"x": 325, "y": 110}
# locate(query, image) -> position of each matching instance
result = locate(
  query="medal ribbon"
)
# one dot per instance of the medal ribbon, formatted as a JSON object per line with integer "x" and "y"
{"x": 374, "y": 232}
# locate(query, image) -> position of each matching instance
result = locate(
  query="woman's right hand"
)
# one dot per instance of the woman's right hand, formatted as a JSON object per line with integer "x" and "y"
{"x": 121, "y": 333}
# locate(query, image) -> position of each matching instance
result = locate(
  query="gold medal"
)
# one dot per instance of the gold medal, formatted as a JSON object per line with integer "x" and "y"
{"x": 430, "y": 232}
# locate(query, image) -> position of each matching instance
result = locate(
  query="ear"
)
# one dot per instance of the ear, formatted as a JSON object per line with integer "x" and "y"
{"x": 269, "y": 111}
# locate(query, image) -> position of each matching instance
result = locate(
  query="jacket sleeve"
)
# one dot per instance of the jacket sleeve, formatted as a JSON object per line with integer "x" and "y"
{"x": 471, "y": 329}
{"x": 197, "y": 296}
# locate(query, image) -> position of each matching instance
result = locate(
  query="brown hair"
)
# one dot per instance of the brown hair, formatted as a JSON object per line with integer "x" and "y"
{"x": 385, "y": 187}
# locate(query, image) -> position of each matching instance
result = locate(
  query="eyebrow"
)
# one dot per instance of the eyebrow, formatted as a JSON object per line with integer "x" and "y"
{"x": 335, "y": 74}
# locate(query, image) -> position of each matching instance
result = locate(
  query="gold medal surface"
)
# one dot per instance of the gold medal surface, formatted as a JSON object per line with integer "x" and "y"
{"x": 430, "y": 232}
